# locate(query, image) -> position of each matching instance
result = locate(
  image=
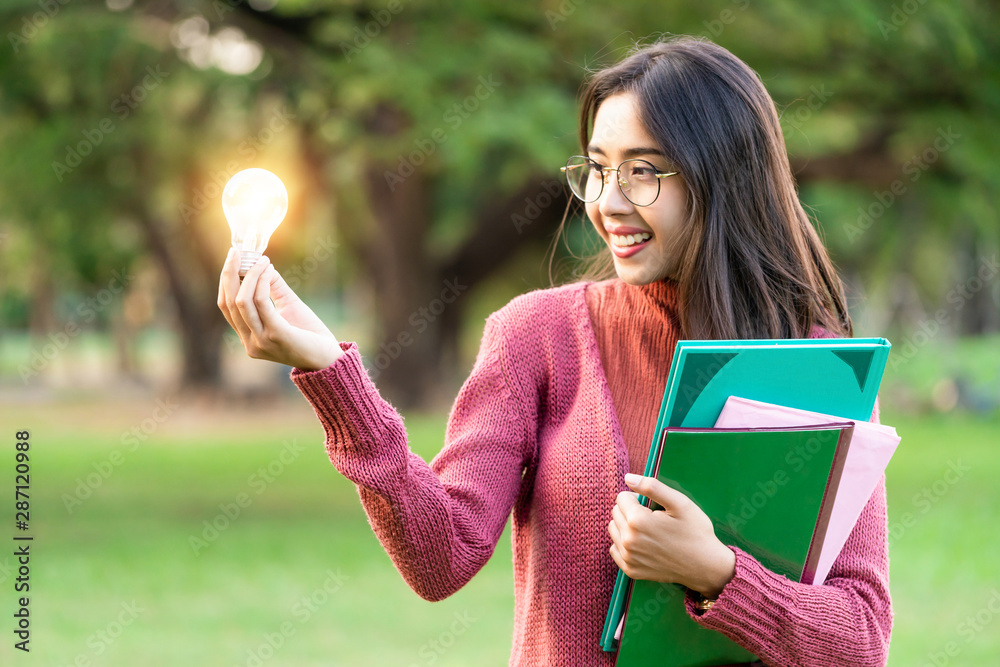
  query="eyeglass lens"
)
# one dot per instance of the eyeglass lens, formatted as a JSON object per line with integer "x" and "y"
{"x": 636, "y": 178}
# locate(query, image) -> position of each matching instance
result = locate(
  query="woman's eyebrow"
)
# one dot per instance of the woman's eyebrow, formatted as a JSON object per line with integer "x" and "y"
{"x": 629, "y": 152}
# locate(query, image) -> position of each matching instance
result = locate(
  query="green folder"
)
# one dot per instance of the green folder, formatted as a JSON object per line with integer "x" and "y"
{"x": 834, "y": 376}
{"x": 768, "y": 491}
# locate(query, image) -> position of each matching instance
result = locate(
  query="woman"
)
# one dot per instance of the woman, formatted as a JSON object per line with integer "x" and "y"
{"x": 686, "y": 179}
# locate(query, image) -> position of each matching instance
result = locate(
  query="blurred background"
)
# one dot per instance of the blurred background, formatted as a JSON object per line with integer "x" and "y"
{"x": 182, "y": 505}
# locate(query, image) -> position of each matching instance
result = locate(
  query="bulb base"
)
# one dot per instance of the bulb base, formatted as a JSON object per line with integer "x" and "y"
{"x": 247, "y": 259}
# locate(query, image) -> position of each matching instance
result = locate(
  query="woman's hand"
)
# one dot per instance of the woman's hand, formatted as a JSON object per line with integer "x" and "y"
{"x": 286, "y": 331}
{"x": 676, "y": 545}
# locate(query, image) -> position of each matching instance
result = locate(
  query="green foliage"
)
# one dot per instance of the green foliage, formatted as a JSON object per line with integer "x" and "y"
{"x": 867, "y": 84}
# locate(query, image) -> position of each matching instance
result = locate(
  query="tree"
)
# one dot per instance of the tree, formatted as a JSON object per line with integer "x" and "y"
{"x": 429, "y": 136}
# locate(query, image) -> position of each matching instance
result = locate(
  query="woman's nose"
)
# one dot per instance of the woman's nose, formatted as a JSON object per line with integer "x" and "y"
{"x": 612, "y": 201}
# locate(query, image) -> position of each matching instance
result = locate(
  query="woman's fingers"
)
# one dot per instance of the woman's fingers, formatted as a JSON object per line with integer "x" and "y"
{"x": 613, "y": 532}
{"x": 245, "y": 299}
{"x": 285, "y": 331}
{"x": 270, "y": 336}
{"x": 229, "y": 286}
{"x": 672, "y": 500}
{"x": 271, "y": 322}
{"x": 281, "y": 293}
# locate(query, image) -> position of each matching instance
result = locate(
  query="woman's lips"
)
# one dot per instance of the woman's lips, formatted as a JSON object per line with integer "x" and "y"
{"x": 628, "y": 251}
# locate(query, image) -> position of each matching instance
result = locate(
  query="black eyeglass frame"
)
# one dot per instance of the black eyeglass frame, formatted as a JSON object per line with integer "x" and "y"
{"x": 622, "y": 183}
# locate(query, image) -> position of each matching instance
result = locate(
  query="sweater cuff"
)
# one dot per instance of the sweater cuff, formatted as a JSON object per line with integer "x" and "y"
{"x": 751, "y": 605}
{"x": 353, "y": 414}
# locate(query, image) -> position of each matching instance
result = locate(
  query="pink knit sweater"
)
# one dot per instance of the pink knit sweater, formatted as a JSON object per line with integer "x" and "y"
{"x": 533, "y": 435}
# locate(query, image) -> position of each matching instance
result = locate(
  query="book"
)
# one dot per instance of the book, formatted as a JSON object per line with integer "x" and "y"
{"x": 871, "y": 449}
{"x": 768, "y": 491}
{"x": 838, "y": 376}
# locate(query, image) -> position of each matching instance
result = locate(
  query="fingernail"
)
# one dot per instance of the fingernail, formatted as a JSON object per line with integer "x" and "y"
{"x": 632, "y": 479}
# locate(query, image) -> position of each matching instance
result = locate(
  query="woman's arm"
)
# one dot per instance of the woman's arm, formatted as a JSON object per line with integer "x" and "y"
{"x": 438, "y": 522}
{"x": 847, "y": 621}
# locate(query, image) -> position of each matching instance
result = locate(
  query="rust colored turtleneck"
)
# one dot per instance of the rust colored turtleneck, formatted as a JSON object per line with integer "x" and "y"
{"x": 636, "y": 328}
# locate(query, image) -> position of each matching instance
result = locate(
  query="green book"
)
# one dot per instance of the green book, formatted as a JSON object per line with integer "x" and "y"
{"x": 768, "y": 491}
{"x": 834, "y": 376}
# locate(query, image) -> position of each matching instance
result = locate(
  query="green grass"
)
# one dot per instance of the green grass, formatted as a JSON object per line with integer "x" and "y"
{"x": 944, "y": 554}
{"x": 129, "y": 542}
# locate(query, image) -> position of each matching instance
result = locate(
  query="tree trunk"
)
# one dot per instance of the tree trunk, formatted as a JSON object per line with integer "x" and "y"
{"x": 419, "y": 304}
{"x": 200, "y": 324}
{"x": 408, "y": 357}
{"x": 979, "y": 311}
{"x": 41, "y": 316}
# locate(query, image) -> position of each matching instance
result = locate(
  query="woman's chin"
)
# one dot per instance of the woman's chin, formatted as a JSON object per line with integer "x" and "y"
{"x": 639, "y": 275}
{"x": 634, "y": 275}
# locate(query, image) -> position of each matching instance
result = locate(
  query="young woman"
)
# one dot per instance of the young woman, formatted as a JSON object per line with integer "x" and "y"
{"x": 686, "y": 179}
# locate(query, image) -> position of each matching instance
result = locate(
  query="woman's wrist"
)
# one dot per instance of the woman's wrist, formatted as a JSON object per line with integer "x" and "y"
{"x": 324, "y": 358}
{"x": 719, "y": 573}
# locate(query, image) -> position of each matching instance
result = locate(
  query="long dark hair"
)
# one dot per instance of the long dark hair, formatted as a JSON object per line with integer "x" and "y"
{"x": 751, "y": 263}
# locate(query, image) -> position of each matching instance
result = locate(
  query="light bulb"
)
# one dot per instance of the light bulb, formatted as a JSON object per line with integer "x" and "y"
{"x": 255, "y": 202}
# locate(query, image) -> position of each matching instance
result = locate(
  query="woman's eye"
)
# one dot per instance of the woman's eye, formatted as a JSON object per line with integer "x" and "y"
{"x": 642, "y": 172}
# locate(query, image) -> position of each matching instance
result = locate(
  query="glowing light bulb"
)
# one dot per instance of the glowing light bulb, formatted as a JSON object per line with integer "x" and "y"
{"x": 255, "y": 202}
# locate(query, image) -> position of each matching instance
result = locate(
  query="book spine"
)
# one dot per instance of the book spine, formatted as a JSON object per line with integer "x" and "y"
{"x": 826, "y": 505}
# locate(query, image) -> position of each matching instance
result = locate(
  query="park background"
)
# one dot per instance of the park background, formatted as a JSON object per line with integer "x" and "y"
{"x": 182, "y": 505}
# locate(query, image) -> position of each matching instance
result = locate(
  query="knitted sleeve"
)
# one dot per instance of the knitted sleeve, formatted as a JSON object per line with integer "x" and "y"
{"x": 845, "y": 622}
{"x": 438, "y": 522}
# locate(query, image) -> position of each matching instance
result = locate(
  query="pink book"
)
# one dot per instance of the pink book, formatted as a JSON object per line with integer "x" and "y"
{"x": 871, "y": 448}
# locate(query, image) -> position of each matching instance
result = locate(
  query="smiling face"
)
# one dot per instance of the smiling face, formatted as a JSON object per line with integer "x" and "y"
{"x": 620, "y": 135}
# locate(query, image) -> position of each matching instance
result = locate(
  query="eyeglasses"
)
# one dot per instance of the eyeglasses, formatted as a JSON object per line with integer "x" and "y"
{"x": 639, "y": 180}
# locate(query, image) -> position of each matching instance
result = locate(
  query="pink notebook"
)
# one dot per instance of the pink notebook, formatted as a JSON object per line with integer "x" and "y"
{"x": 871, "y": 448}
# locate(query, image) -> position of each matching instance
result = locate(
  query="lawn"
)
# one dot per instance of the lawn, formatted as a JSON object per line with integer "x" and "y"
{"x": 128, "y": 569}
